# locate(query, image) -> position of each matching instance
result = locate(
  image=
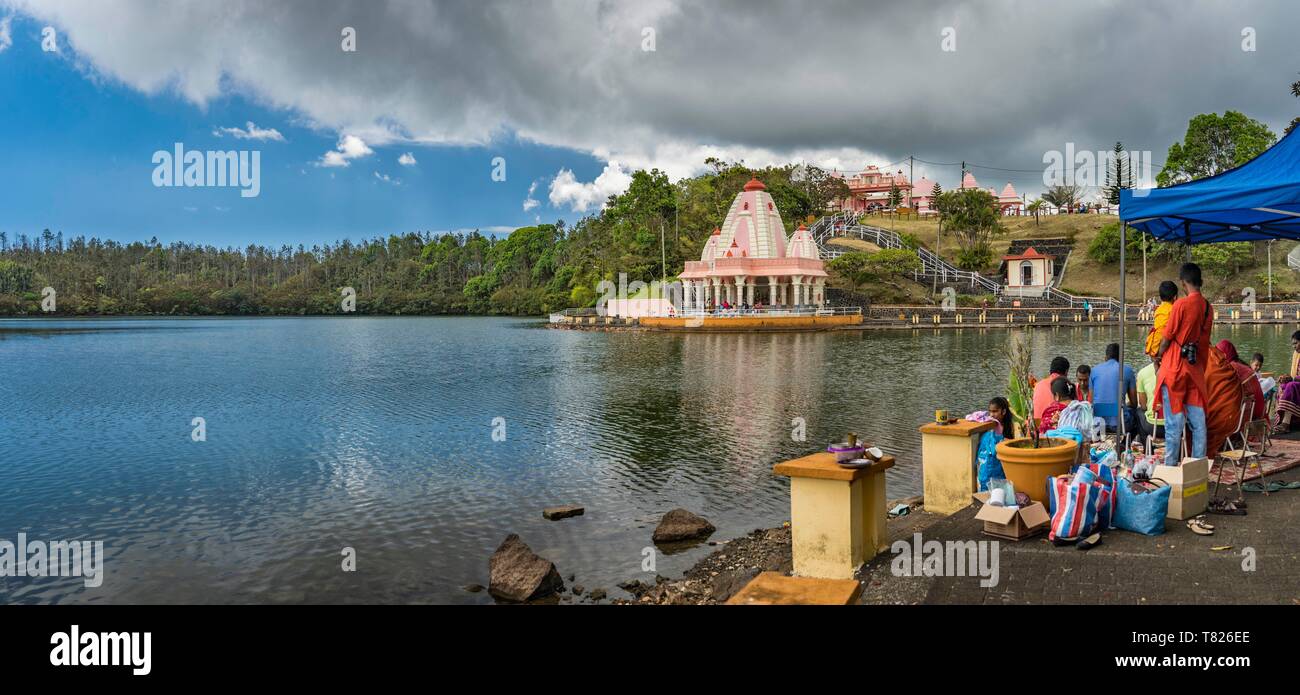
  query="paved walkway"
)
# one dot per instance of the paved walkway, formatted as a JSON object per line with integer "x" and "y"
{"x": 1127, "y": 568}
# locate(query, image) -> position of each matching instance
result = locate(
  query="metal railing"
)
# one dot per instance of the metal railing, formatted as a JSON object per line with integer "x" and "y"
{"x": 932, "y": 266}
{"x": 791, "y": 311}
{"x": 935, "y": 268}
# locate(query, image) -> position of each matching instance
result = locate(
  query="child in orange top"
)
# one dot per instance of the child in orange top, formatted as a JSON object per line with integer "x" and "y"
{"x": 1168, "y": 293}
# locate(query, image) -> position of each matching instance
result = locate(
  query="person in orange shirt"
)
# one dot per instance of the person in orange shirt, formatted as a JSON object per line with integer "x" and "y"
{"x": 1043, "y": 389}
{"x": 1168, "y": 293}
{"x": 1180, "y": 363}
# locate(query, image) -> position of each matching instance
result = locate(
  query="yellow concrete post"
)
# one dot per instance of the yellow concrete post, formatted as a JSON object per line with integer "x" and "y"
{"x": 837, "y": 515}
{"x": 948, "y": 464}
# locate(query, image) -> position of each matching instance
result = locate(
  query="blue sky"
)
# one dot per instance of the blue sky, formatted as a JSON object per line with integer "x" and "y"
{"x": 78, "y": 149}
{"x": 575, "y": 94}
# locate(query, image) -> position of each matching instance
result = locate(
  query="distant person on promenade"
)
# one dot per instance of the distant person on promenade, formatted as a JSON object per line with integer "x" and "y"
{"x": 1043, "y": 389}
{"x": 1181, "y": 358}
{"x": 1104, "y": 385}
{"x": 1168, "y": 293}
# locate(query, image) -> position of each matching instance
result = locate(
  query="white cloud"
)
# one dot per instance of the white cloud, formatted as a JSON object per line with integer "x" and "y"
{"x": 388, "y": 179}
{"x": 529, "y": 201}
{"x": 407, "y": 159}
{"x": 350, "y": 147}
{"x": 252, "y": 132}
{"x": 6, "y": 38}
{"x": 567, "y": 190}
{"x": 591, "y": 88}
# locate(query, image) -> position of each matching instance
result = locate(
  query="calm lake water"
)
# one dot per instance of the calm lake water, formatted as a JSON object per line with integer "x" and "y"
{"x": 376, "y": 434}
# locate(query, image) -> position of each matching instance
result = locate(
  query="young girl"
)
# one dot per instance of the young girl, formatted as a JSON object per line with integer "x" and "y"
{"x": 1063, "y": 395}
{"x": 1000, "y": 410}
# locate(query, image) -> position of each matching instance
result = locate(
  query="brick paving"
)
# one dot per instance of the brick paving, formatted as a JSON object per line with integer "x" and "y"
{"x": 1178, "y": 567}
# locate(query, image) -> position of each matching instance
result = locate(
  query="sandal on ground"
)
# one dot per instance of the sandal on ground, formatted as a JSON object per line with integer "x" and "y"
{"x": 1089, "y": 542}
{"x": 1205, "y": 523}
{"x": 1058, "y": 541}
{"x": 1227, "y": 509}
{"x": 1199, "y": 527}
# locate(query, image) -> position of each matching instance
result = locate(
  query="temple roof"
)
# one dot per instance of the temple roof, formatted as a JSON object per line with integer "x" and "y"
{"x": 752, "y": 228}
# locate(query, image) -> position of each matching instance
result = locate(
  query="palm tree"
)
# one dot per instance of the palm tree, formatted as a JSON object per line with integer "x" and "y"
{"x": 1064, "y": 196}
{"x": 1295, "y": 91}
{"x": 1034, "y": 209}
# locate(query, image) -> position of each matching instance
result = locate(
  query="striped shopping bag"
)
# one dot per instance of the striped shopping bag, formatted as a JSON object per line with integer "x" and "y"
{"x": 1102, "y": 474}
{"x": 1078, "y": 508}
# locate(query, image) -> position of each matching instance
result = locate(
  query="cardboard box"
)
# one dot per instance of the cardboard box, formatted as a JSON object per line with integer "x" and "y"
{"x": 1012, "y": 524}
{"x": 1191, "y": 487}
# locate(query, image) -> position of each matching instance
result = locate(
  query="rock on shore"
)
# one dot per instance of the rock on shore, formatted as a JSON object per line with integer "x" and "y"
{"x": 518, "y": 574}
{"x": 681, "y": 525}
{"x": 562, "y": 512}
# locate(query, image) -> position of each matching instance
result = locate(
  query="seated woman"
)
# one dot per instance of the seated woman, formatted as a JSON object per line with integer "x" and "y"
{"x": 1062, "y": 396}
{"x": 1247, "y": 376}
{"x": 1288, "y": 405}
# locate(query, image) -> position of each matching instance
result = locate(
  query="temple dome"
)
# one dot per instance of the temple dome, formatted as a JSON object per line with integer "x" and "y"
{"x": 752, "y": 228}
{"x": 802, "y": 244}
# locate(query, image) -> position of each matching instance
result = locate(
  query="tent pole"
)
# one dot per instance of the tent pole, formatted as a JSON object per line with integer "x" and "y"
{"x": 1123, "y": 311}
{"x": 1187, "y": 241}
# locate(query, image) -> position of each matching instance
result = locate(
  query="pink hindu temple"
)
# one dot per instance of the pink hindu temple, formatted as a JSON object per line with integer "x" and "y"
{"x": 749, "y": 260}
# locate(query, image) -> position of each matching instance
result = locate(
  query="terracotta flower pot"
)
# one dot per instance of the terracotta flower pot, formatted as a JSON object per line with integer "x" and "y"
{"x": 1028, "y": 468}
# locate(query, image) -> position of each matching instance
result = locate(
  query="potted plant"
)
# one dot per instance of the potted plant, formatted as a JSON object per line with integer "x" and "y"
{"x": 1029, "y": 460}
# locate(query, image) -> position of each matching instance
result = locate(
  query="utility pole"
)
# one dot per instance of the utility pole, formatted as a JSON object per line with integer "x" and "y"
{"x": 911, "y": 180}
{"x": 1270, "y": 268}
{"x": 663, "y": 258}
{"x": 963, "y": 175}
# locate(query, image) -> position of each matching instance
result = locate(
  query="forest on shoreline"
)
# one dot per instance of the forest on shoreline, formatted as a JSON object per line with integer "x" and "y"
{"x": 532, "y": 271}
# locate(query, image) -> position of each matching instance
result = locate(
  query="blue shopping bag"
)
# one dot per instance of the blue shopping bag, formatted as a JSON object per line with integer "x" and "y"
{"x": 1141, "y": 512}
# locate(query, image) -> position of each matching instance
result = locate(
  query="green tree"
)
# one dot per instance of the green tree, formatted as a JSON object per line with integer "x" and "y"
{"x": 1035, "y": 208}
{"x": 972, "y": 214}
{"x": 1064, "y": 196}
{"x": 1119, "y": 174}
{"x": 853, "y": 267}
{"x": 1214, "y": 144}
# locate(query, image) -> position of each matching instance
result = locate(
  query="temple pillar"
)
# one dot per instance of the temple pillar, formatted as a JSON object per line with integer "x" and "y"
{"x": 771, "y": 291}
{"x": 797, "y": 282}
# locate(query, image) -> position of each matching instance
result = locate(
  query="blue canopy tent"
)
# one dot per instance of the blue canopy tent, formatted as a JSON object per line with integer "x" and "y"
{"x": 1258, "y": 200}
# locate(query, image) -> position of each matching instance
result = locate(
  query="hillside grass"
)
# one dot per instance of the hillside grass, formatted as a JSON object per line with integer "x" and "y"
{"x": 1087, "y": 277}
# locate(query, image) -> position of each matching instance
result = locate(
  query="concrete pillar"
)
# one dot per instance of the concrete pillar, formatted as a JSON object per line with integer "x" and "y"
{"x": 771, "y": 290}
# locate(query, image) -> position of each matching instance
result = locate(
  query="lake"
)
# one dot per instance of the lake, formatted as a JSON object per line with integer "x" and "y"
{"x": 377, "y": 434}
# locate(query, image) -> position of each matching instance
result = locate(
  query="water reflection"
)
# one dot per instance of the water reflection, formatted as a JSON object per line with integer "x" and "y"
{"x": 376, "y": 434}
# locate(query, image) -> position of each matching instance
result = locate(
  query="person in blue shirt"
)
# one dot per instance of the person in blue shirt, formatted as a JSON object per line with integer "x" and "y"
{"x": 1103, "y": 383}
